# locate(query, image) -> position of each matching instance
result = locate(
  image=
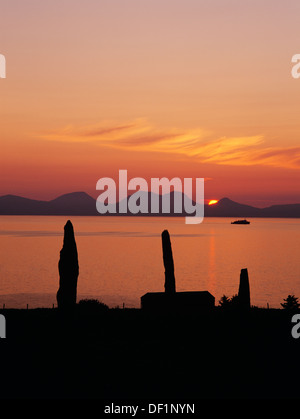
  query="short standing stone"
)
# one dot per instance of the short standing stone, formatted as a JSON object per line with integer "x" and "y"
{"x": 244, "y": 289}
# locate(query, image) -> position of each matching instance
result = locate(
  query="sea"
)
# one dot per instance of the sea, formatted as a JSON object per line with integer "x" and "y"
{"x": 120, "y": 258}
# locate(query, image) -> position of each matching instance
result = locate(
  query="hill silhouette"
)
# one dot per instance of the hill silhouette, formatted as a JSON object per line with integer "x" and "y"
{"x": 80, "y": 203}
{"x": 75, "y": 203}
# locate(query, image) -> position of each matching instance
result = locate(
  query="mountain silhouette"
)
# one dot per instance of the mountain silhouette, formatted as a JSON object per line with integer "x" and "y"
{"x": 172, "y": 196}
{"x": 225, "y": 207}
{"x": 80, "y": 203}
{"x": 76, "y": 203}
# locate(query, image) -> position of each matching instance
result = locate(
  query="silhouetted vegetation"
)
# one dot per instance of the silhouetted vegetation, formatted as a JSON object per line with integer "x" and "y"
{"x": 229, "y": 302}
{"x": 224, "y": 301}
{"x": 290, "y": 303}
{"x": 92, "y": 305}
{"x": 234, "y": 301}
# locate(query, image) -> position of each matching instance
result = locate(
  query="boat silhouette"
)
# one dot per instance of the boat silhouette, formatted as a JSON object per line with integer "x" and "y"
{"x": 240, "y": 222}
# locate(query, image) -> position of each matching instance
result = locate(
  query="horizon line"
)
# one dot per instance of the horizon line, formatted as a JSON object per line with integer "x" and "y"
{"x": 149, "y": 192}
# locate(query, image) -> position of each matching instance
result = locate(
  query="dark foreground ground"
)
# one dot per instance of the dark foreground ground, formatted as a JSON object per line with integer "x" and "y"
{"x": 132, "y": 354}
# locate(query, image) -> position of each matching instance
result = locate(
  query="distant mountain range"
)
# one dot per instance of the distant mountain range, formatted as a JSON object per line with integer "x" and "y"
{"x": 80, "y": 203}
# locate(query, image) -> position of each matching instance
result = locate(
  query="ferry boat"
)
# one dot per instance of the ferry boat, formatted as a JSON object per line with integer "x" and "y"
{"x": 240, "y": 222}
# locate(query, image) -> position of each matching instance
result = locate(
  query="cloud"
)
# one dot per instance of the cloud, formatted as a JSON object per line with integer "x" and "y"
{"x": 198, "y": 144}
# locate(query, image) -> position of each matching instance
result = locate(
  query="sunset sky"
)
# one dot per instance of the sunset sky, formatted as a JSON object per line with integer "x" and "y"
{"x": 184, "y": 88}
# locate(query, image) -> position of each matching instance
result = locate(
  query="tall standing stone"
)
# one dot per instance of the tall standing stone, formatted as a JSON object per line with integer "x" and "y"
{"x": 68, "y": 270}
{"x": 244, "y": 290}
{"x": 168, "y": 263}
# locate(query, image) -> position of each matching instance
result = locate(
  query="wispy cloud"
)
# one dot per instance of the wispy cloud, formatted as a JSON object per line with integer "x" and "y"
{"x": 198, "y": 144}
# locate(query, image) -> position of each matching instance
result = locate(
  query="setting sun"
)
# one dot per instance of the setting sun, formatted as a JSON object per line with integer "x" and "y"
{"x": 213, "y": 201}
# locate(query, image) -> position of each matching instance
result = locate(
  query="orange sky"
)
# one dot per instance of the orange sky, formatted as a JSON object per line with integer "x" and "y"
{"x": 160, "y": 88}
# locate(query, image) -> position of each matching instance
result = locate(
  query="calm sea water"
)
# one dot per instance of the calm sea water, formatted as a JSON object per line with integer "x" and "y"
{"x": 120, "y": 258}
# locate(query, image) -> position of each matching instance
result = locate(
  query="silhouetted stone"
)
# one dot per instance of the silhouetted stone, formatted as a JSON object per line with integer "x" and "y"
{"x": 244, "y": 290}
{"x": 170, "y": 300}
{"x": 168, "y": 263}
{"x": 187, "y": 301}
{"x": 68, "y": 270}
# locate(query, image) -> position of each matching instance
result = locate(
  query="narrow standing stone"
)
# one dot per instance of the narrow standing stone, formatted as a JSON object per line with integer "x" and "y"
{"x": 168, "y": 263}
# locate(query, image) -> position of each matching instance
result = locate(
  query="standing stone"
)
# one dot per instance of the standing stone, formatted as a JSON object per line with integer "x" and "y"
{"x": 244, "y": 290}
{"x": 168, "y": 263}
{"x": 68, "y": 270}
